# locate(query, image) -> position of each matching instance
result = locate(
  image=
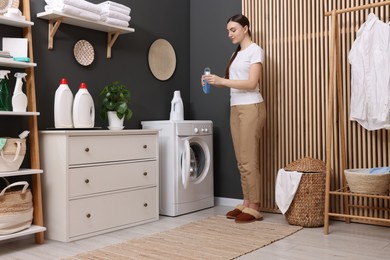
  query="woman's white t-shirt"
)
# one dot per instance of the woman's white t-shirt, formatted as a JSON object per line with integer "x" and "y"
{"x": 239, "y": 70}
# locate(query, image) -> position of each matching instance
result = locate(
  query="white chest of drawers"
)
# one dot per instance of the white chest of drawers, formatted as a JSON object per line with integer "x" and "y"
{"x": 97, "y": 181}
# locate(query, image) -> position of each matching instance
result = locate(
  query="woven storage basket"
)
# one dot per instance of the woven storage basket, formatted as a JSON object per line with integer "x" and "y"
{"x": 307, "y": 207}
{"x": 361, "y": 181}
{"x": 16, "y": 208}
{"x": 12, "y": 154}
{"x": 5, "y": 4}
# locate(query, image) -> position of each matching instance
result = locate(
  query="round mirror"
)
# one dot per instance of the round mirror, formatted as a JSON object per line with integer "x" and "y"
{"x": 162, "y": 59}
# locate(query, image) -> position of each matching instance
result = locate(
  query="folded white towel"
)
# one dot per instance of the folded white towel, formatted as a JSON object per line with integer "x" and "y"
{"x": 82, "y": 4}
{"x": 117, "y": 22}
{"x": 71, "y": 10}
{"x": 112, "y": 6}
{"x": 287, "y": 183}
{"x": 115, "y": 14}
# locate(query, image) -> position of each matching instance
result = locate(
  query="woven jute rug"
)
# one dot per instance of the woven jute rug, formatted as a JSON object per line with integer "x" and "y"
{"x": 213, "y": 238}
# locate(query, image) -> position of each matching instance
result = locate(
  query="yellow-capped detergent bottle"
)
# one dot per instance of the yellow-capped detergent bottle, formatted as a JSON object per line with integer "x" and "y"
{"x": 63, "y": 105}
{"x": 83, "y": 108}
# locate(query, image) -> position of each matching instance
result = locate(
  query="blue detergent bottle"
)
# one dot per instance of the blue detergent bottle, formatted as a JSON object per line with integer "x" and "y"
{"x": 5, "y": 100}
{"x": 206, "y": 86}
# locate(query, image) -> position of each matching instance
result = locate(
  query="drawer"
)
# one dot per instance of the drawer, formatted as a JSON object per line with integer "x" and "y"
{"x": 111, "y": 177}
{"x": 97, "y": 213}
{"x": 94, "y": 149}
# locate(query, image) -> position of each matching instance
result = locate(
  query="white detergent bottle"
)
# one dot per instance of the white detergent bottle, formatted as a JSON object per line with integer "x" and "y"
{"x": 19, "y": 99}
{"x": 83, "y": 109}
{"x": 177, "y": 108}
{"x": 63, "y": 105}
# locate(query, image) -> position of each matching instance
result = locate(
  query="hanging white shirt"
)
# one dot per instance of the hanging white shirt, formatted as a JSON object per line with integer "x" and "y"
{"x": 370, "y": 66}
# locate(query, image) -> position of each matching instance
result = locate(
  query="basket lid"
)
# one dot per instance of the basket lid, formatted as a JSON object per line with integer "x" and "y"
{"x": 307, "y": 164}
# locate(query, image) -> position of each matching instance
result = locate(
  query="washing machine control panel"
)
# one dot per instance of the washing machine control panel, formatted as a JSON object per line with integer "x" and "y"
{"x": 198, "y": 128}
{"x": 202, "y": 129}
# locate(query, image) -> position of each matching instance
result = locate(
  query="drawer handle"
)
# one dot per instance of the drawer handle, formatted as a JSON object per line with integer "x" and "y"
{"x": 145, "y": 173}
{"x": 86, "y": 149}
{"x": 145, "y": 146}
{"x": 145, "y": 205}
{"x": 86, "y": 180}
{"x": 88, "y": 215}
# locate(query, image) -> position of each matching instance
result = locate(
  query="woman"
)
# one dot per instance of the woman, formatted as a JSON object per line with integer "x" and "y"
{"x": 247, "y": 114}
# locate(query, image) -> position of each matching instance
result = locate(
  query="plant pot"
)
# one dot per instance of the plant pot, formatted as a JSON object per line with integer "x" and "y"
{"x": 114, "y": 123}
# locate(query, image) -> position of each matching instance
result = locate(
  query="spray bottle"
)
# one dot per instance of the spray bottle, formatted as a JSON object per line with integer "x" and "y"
{"x": 19, "y": 99}
{"x": 4, "y": 95}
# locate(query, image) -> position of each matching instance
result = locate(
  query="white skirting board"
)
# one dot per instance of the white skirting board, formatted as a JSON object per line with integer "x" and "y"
{"x": 218, "y": 201}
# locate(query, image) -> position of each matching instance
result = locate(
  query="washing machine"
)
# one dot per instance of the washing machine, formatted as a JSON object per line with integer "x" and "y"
{"x": 186, "y": 165}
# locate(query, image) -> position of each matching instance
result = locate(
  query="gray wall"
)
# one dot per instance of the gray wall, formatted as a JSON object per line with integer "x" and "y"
{"x": 211, "y": 47}
{"x": 199, "y": 37}
{"x": 152, "y": 19}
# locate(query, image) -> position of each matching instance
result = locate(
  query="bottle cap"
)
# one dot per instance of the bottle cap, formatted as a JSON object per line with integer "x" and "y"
{"x": 64, "y": 81}
{"x": 83, "y": 85}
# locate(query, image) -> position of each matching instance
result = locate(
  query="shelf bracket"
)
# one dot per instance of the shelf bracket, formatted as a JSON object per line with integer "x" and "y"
{"x": 53, "y": 26}
{"x": 111, "y": 38}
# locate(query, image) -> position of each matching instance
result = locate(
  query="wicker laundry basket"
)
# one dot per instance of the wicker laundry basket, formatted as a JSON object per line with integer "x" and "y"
{"x": 307, "y": 207}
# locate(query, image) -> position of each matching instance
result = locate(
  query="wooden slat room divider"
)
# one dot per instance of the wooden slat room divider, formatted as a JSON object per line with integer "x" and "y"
{"x": 295, "y": 37}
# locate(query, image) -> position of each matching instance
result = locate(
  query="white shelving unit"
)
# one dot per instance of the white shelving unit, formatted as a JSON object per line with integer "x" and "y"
{"x": 37, "y": 228}
{"x": 15, "y": 23}
{"x": 11, "y": 113}
{"x": 9, "y": 62}
{"x": 32, "y": 230}
{"x": 55, "y": 19}
{"x": 20, "y": 172}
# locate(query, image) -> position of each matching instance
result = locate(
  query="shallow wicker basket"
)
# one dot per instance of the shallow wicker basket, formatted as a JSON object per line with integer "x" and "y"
{"x": 307, "y": 207}
{"x": 361, "y": 181}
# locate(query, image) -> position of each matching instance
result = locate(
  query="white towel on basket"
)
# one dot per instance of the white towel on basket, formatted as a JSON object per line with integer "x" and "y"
{"x": 287, "y": 183}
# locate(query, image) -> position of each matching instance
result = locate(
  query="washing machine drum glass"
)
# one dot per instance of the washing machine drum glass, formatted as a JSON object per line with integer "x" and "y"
{"x": 197, "y": 161}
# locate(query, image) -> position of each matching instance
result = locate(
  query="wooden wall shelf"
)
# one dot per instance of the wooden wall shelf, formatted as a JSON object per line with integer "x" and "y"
{"x": 56, "y": 18}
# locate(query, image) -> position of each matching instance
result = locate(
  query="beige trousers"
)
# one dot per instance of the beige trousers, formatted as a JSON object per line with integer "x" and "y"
{"x": 246, "y": 122}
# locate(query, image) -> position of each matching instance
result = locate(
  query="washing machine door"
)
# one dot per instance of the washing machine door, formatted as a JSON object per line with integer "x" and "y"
{"x": 195, "y": 161}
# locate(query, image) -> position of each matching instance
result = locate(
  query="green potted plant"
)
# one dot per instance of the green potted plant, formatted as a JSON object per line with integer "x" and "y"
{"x": 115, "y": 98}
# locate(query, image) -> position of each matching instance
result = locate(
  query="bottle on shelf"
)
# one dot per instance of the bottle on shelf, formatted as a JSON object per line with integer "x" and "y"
{"x": 83, "y": 108}
{"x": 63, "y": 105}
{"x": 4, "y": 94}
{"x": 19, "y": 99}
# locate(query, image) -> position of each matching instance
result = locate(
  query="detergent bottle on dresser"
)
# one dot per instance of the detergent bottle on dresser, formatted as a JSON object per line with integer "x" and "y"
{"x": 83, "y": 108}
{"x": 4, "y": 94}
{"x": 177, "y": 109}
{"x": 63, "y": 105}
{"x": 19, "y": 99}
